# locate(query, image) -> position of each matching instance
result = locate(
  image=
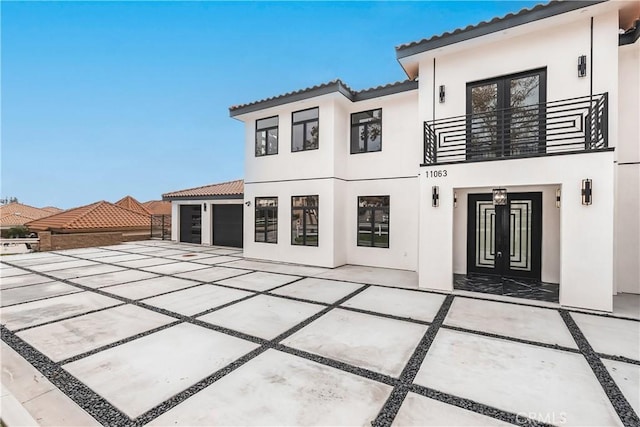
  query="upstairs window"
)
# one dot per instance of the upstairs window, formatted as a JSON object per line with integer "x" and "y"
{"x": 305, "y": 130}
{"x": 267, "y": 136}
{"x": 366, "y": 131}
{"x": 373, "y": 221}
{"x": 266, "y": 220}
{"x": 304, "y": 220}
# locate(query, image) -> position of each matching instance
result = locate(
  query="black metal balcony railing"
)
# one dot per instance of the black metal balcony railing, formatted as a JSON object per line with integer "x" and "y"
{"x": 569, "y": 125}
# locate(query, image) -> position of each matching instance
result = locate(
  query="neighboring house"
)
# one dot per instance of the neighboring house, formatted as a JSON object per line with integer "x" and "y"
{"x": 18, "y": 214}
{"x": 158, "y": 207}
{"x": 52, "y": 209}
{"x": 209, "y": 215}
{"x": 99, "y": 223}
{"x": 511, "y": 151}
{"x": 132, "y": 204}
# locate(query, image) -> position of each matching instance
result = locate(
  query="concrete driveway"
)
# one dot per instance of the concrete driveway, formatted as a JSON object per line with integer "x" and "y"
{"x": 162, "y": 333}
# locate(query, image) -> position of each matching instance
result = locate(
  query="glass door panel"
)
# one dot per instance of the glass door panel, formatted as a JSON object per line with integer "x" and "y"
{"x": 524, "y": 120}
{"x": 484, "y": 121}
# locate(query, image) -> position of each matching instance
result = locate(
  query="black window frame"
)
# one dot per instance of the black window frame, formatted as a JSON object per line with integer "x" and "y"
{"x": 304, "y": 124}
{"x": 266, "y": 130}
{"x": 373, "y": 210}
{"x": 266, "y": 210}
{"x": 366, "y": 124}
{"x": 304, "y": 211}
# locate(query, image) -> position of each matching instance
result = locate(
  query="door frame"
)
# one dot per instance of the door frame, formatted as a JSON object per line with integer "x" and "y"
{"x": 503, "y": 121}
{"x": 502, "y": 240}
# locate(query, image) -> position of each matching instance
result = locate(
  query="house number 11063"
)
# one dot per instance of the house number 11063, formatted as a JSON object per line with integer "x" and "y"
{"x": 437, "y": 174}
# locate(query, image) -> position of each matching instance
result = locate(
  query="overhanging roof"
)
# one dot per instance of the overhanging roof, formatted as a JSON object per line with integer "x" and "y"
{"x": 496, "y": 24}
{"x": 334, "y": 86}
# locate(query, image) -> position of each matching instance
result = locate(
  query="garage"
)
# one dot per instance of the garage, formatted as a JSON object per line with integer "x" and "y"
{"x": 227, "y": 225}
{"x": 191, "y": 224}
{"x": 208, "y": 215}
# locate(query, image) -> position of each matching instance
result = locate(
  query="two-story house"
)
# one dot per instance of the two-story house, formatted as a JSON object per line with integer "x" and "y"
{"x": 507, "y": 162}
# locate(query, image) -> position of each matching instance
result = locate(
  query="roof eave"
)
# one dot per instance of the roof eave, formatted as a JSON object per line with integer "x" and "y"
{"x": 552, "y": 9}
{"x": 204, "y": 197}
{"x": 334, "y": 87}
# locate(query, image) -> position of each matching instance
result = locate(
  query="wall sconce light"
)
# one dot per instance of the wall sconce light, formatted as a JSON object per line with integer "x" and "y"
{"x": 587, "y": 192}
{"x": 435, "y": 196}
{"x": 582, "y": 65}
{"x": 441, "y": 94}
{"x": 557, "y": 197}
{"x": 204, "y": 207}
{"x": 499, "y": 196}
{"x": 455, "y": 199}
{"x": 248, "y": 203}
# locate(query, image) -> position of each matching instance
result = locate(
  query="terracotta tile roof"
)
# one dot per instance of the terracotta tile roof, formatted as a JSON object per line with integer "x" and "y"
{"x": 132, "y": 204}
{"x": 99, "y": 216}
{"x": 230, "y": 188}
{"x": 18, "y": 214}
{"x": 158, "y": 207}
{"x": 13, "y": 220}
{"x": 52, "y": 209}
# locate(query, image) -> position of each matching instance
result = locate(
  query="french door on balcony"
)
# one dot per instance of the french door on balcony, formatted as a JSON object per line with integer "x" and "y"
{"x": 506, "y": 116}
{"x": 505, "y": 240}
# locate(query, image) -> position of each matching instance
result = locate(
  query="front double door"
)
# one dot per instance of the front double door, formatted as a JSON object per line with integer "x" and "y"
{"x": 505, "y": 240}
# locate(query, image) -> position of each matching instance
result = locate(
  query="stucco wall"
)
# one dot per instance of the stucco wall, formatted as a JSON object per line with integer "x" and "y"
{"x": 627, "y": 230}
{"x": 586, "y": 232}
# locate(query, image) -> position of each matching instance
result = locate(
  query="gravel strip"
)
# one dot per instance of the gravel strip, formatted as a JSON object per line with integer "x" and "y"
{"x": 104, "y": 412}
{"x": 391, "y": 407}
{"x": 624, "y": 410}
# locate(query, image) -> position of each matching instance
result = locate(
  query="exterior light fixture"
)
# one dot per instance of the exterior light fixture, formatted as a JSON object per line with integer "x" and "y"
{"x": 435, "y": 196}
{"x": 204, "y": 207}
{"x": 248, "y": 203}
{"x": 582, "y": 65}
{"x": 557, "y": 197}
{"x": 587, "y": 192}
{"x": 441, "y": 94}
{"x": 455, "y": 199}
{"x": 499, "y": 196}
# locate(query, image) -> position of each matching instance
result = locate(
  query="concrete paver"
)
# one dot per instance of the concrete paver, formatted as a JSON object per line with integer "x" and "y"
{"x": 279, "y": 389}
{"x": 141, "y": 374}
{"x": 559, "y": 385}
{"x": 328, "y": 371}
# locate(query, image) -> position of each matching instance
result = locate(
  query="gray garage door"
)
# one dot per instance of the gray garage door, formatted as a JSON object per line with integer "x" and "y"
{"x": 190, "y": 224}
{"x": 227, "y": 225}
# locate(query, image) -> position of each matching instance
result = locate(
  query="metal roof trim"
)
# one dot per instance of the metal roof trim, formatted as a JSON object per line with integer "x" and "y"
{"x": 496, "y": 24}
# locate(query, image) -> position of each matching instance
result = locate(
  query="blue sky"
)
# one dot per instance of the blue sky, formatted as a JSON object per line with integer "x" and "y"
{"x": 105, "y": 99}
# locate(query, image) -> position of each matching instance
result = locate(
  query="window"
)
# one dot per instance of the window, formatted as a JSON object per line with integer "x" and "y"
{"x": 366, "y": 131}
{"x": 373, "y": 221}
{"x": 304, "y": 220}
{"x": 266, "y": 224}
{"x": 305, "y": 130}
{"x": 267, "y": 136}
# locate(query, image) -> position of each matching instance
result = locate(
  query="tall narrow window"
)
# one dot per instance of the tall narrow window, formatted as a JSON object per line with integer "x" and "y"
{"x": 304, "y": 220}
{"x": 267, "y": 136}
{"x": 266, "y": 221}
{"x": 305, "y": 130}
{"x": 366, "y": 131}
{"x": 373, "y": 221}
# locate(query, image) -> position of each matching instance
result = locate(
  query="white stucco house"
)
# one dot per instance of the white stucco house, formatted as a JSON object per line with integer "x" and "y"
{"x": 508, "y": 162}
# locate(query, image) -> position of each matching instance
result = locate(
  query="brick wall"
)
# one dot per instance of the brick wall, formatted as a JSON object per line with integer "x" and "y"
{"x": 45, "y": 241}
{"x": 77, "y": 240}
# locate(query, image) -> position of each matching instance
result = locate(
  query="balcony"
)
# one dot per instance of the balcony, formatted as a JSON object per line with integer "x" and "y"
{"x": 558, "y": 127}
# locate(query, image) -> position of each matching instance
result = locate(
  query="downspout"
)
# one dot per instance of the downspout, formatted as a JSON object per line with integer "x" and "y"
{"x": 433, "y": 111}
{"x": 591, "y": 65}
